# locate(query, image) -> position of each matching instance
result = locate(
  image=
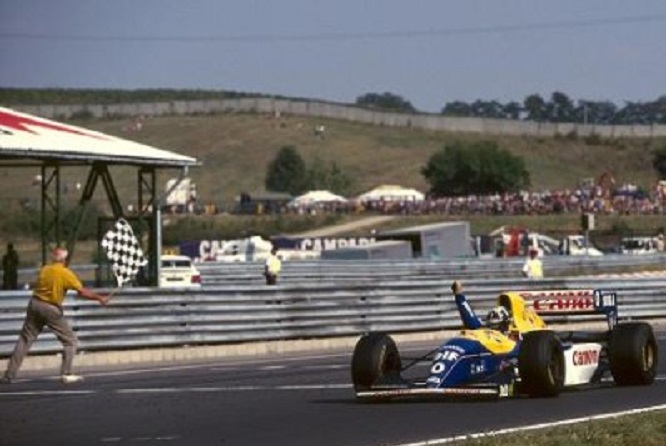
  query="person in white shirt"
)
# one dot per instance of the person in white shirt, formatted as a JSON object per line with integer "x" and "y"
{"x": 533, "y": 268}
{"x": 272, "y": 267}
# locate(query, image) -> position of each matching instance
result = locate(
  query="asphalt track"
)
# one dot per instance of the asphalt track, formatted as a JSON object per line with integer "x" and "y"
{"x": 303, "y": 399}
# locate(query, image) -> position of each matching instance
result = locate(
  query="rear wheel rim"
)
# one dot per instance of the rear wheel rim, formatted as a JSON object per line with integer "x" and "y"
{"x": 648, "y": 357}
{"x": 554, "y": 369}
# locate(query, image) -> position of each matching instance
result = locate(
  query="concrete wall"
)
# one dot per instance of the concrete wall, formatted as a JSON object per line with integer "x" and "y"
{"x": 347, "y": 113}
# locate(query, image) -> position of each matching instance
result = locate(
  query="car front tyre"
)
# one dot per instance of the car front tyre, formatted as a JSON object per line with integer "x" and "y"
{"x": 375, "y": 359}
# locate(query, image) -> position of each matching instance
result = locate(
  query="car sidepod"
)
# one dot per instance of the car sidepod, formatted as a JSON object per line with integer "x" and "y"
{"x": 584, "y": 363}
{"x": 463, "y": 362}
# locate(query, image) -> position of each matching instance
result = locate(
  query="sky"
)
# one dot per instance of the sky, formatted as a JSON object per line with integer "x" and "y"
{"x": 429, "y": 52}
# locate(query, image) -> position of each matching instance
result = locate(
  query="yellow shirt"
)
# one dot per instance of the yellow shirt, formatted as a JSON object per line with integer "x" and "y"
{"x": 273, "y": 265}
{"x": 53, "y": 282}
{"x": 533, "y": 269}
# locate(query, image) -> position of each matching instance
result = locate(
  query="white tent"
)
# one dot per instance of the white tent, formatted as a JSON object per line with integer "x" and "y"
{"x": 316, "y": 197}
{"x": 389, "y": 192}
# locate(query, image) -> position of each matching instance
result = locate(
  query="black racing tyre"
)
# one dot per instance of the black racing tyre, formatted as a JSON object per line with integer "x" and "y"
{"x": 541, "y": 364}
{"x": 375, "y": 358}
{"x": 633, "y": 354}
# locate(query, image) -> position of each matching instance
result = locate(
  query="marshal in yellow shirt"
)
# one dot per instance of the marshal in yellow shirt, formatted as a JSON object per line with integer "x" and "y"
{"x": 54, "y": 281}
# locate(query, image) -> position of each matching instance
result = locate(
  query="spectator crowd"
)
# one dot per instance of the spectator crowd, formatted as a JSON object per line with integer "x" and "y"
{"x": 627, "y": 200}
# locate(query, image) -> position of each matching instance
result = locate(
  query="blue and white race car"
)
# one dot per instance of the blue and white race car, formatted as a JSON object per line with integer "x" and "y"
{"x": 514, "y": 353}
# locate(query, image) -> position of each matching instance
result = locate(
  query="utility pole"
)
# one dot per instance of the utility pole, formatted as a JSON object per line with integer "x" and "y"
{"x": 585, "y": 113}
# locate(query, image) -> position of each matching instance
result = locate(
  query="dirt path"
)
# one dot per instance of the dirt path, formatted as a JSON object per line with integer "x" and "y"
{"x": 333, "y": 230}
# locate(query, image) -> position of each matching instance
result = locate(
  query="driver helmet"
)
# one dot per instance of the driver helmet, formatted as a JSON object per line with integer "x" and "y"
{"x": 498, "y": 318}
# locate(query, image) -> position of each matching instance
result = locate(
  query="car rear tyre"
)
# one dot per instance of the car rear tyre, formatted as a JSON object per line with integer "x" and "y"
{"x": 376, "y": 359}
{"x": 633, "y": 354}
{"x": 541, "y": 364}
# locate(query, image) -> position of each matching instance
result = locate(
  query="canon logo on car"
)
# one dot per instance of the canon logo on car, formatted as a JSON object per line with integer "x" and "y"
{"x": 563, "y": 304}
{"x": 586, "y": 357}
{"x": 555, "y": 293}
{"x": 560, "y": 300}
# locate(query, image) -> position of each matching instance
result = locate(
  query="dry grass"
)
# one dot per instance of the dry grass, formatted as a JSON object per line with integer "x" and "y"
{"x": 235, "y": 150}
{"x": 644, "y": 429}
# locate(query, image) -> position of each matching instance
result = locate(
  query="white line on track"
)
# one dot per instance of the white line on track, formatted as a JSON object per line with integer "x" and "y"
{"x": 138, "y": 439}
{"x": 567, "y": 422}
{"x": 47, "y": 392}
{"x": 325, "y": 367}
{"x": 305, "y": 367}
{"x": 230, "y": 366}
{"x": 233, "y": 389}
{"x": 283, "y": 367}
{"x": 146, "y": 370}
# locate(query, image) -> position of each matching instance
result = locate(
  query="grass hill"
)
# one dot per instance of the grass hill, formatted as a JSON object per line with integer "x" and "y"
{"x": 235, "y": 150}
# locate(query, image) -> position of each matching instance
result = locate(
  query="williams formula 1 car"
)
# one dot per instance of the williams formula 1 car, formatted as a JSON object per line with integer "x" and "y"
{"x": 524, "y": 357}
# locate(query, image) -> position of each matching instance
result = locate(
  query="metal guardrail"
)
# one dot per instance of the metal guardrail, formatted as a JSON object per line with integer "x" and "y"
{"x": 220, "y": 273}
{"x": 214, "y": 273}
{"x": 149, "y": 317}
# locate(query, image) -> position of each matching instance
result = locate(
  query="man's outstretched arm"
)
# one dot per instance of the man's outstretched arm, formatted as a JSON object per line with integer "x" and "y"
{"x": 89, "y": 294}
{"x": 469, "y": 318}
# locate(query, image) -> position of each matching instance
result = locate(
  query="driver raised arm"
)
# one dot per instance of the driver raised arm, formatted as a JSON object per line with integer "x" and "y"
{"x": 469, "y": 318}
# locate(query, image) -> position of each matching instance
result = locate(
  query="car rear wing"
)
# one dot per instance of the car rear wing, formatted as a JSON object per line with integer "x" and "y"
{"x": 583, "y": 301}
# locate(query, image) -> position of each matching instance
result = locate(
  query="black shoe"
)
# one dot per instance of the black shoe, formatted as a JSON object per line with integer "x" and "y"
{"x": 5, "y": 380}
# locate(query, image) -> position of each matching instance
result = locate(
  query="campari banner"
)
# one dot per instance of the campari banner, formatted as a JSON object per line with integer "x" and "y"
{"x": 208, "y": 249}
{"x": 320, "y": 243}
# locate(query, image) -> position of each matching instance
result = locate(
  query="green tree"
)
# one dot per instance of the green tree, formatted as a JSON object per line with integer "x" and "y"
{"x": 487, "y": 109}
{"x": 328, "y": 176}
{"x": 512, "y": 110}
{"x": 287, "y": 172}
{"x": 659, "y": 161}
{"x": 474, "y": 168}
{"x": 458, "y": 109}
{"x": 339, "y": 181}
{"x": 535, "y": 107}
{"x": 385, "y": 101}
{"x": 560, "y": 108}
{"x": 595, "y": 112}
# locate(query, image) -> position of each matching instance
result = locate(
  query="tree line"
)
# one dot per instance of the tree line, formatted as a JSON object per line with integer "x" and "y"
{"x": 457, "y": 169}
{"x": 559, "y": 107}
{"x": 75, "y": 96}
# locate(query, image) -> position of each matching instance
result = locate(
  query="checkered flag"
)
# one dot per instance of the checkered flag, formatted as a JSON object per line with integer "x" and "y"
{"x": 123, "y": 251}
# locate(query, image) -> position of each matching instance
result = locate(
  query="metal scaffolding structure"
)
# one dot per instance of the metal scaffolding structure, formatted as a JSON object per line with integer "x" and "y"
{"x": 31, "y": 141}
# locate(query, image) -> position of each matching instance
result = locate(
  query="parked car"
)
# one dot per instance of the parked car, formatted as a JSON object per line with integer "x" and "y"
{"x": 638, "y": 245}
{"x": 576, "y": 245}
{"x": 179, "y": 271}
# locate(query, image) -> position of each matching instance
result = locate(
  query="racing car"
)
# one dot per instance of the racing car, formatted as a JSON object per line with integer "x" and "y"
{"x": 523, "y": 358}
